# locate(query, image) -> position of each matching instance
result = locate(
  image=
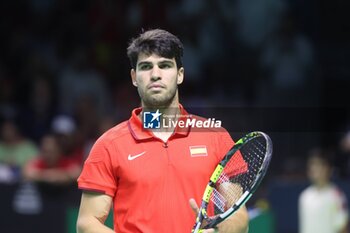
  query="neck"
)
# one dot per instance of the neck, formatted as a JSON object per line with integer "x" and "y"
{"x": 171, "y": 112}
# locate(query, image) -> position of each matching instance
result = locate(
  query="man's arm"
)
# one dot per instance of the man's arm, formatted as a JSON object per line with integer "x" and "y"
{"x": 93, "y": 212}
{"x": 238, "y": 223}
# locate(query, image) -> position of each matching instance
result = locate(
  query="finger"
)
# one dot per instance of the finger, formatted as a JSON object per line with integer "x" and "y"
{"x": 194, "y": 206}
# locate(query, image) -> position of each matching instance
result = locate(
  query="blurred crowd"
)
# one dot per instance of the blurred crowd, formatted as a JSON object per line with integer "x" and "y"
{"x": 64, "y": 79}
{"x": 64, "y": 74}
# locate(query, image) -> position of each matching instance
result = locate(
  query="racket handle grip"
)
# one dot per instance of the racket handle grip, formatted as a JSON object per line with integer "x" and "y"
{"x": 196, "y": 229}
{"x": 211, "y": 224}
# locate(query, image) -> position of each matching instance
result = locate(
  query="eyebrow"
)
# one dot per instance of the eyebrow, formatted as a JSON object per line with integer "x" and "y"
{"x": 159, "y": 62}
{"x": 143, "y": 63}
{"x": 166, "y": 61}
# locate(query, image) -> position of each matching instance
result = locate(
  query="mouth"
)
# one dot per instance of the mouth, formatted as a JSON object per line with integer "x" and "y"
{"x": 155, "y": 86}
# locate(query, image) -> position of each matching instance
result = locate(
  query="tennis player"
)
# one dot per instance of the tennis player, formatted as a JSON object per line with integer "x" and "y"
{"x": 149, "y": 175}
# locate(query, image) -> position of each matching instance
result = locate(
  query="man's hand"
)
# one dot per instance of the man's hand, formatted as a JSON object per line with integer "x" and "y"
{"x": 195, "y": 208}
{"x": 238, "y": 223}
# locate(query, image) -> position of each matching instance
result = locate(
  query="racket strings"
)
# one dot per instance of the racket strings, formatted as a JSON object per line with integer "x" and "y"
{"x": 218, "y": 200}
{"x": 238, "y": 177}
{"x": 254, "y": 154}
{"x": 226, "y": 192}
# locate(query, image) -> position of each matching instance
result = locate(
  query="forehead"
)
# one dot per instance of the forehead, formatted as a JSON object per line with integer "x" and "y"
{"x": 153, "y": 58}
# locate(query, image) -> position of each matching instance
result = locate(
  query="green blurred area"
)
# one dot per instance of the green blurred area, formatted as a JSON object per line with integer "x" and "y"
{"x": 263, "y": 222}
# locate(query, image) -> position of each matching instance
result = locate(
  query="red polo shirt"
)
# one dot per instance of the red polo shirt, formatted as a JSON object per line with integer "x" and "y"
{"x": 151, "y": 181}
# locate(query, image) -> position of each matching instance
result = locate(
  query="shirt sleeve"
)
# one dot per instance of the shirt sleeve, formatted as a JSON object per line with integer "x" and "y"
{"x": 97, "y": 174}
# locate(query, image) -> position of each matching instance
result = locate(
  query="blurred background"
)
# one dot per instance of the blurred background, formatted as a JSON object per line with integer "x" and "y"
{"x": 281, "y": 66}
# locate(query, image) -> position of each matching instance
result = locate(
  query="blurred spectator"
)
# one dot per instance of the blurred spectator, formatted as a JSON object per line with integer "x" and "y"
{"x": 65, "y": 129}
{"x": 87, "y": 117}
{"x": 8, "y": 105}
{"x": 51, "y": 166}
{"x": 344, "y": 155}
{"x": 345, "y": 142}
{"x": 40, "y": 106}
{"x": 322, "y": 206}
{"x": 15, "y": 151}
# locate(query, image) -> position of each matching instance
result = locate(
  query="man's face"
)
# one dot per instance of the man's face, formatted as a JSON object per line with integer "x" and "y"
{"x": 156, "y": 79}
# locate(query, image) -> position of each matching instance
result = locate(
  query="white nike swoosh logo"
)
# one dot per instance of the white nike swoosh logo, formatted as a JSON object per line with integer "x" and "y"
{"x": 132, "y": 157}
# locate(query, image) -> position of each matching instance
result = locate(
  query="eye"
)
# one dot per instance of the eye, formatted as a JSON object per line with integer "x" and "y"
{"x": 165, "y": 65}
{"x": 145, "y": 66}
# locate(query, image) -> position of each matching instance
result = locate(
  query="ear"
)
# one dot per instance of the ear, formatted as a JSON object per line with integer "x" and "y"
{"x": 180, "y": 75}
{"x": 133, "y": 77}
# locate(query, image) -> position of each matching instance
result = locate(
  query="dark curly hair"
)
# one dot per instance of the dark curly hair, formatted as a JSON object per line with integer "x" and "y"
{"x": 156, "y": 41}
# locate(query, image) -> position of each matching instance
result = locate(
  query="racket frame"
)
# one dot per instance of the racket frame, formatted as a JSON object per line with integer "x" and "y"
{"x": 202, "y": 213}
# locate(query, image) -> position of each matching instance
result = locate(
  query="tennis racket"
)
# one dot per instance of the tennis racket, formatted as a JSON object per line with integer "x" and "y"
{"x": 234, "y": 180}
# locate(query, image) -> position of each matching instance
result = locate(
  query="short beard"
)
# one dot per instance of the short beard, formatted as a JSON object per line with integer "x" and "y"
{"x": 154, "y": 102}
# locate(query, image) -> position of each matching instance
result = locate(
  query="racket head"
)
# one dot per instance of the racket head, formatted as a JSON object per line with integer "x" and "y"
{"x": 235, "y": 179}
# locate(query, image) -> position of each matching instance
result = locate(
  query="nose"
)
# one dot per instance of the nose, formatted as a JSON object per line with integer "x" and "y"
{"x": 155, "y": 73}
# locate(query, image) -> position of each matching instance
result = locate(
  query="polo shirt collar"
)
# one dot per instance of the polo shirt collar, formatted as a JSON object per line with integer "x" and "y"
{"x": 139, "y": 133}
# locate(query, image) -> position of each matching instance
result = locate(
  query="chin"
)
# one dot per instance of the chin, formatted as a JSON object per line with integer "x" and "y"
{"x": 154, "y": 101}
